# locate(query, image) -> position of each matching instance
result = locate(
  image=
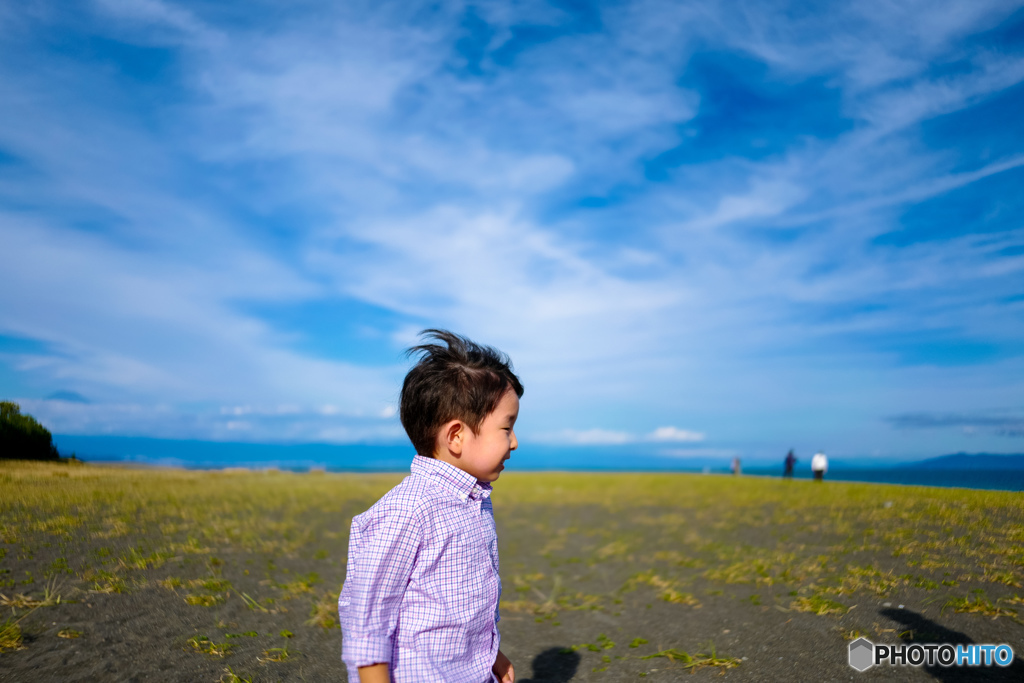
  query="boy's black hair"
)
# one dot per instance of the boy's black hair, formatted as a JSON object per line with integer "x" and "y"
{"x": 461, "y": 380}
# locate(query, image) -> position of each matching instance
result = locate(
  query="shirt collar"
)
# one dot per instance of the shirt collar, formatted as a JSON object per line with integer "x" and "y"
{"x": 463, "y": 484}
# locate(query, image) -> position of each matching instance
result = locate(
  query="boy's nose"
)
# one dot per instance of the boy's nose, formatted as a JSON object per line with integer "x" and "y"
{"x": 515, "y": 442}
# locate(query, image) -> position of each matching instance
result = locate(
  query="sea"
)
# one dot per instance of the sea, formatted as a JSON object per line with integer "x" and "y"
{"x": 396, "y": 458}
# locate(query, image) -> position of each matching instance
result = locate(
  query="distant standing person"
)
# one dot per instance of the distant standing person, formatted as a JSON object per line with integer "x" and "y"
{"x": 735, "y": 467}
{"x": 819, "y": 465}
{"x": 790, "y": 461}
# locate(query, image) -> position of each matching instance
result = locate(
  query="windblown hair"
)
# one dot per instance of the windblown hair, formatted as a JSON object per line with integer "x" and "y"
{"x": 460, "y": 380}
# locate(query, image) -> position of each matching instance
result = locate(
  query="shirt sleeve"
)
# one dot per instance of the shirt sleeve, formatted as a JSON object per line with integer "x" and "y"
{"x": 381, "y": 554}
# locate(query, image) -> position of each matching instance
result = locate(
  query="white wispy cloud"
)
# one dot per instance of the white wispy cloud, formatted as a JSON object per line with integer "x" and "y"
{"x": 155, "y": 13}
{"x": 588, "y": 437}
{"x": 608, "y": 437}
{"x": 549, "y": 197}
{"x": 278, "y": 424}
{"x": 698, "y": 453}
{"x": 675, "y": 434}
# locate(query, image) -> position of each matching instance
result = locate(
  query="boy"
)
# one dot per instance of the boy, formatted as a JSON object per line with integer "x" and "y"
{"x": 420, "y": 600}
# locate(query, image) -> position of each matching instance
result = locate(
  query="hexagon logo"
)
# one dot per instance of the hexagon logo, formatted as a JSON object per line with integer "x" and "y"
{"x": 862, "y": 654}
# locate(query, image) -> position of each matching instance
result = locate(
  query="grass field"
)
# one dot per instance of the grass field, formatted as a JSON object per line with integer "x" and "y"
{"x": 198, "y": 575}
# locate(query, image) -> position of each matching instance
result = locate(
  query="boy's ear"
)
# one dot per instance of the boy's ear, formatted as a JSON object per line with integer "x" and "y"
{"x": 453, "y": 435}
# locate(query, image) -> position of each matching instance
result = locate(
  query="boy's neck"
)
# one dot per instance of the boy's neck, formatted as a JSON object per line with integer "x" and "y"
{"x": 448, "y": 457}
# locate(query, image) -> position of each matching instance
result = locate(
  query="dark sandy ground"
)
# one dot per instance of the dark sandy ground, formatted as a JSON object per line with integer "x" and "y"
{"x": 157, "y": 572}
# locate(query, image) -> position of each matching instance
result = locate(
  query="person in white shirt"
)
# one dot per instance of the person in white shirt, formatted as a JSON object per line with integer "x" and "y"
{"x": 819, "y": 465}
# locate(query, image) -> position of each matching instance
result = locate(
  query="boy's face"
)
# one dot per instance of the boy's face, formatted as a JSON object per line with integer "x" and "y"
{"x": 484, "y": 454}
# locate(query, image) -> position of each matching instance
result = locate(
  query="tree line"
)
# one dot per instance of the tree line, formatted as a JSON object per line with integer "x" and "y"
{"x": 22, "y": 437}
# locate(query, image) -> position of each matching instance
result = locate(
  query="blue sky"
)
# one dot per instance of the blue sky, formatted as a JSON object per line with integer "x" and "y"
{"x": 702, "y": 228}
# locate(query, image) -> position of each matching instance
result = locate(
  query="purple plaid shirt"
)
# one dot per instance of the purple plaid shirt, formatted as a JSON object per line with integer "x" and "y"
{"x": 421, "y": 591}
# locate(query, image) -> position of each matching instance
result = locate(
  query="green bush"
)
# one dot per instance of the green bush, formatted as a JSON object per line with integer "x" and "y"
{"x": 22, "y": 437}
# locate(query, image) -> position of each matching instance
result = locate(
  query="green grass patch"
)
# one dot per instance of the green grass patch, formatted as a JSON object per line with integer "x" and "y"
{"x": 979, "y": 605}
{"x": 204, "y": 599}
{"x": 276, "y": 654}
{"x": 817, "y": 604}
{"x": 696, "y": 661}
{"x": 206, "y": 646}
{"x": 229, "y": 676}
{"x": 10, "y": 635}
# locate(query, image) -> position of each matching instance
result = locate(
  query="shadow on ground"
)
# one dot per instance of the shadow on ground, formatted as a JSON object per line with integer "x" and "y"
{"x": 554, "y": 665}
{"x": 920, "y": 629}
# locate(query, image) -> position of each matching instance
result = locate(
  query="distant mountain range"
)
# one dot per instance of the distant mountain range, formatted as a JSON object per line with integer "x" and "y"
{"x": 970, "y": 461}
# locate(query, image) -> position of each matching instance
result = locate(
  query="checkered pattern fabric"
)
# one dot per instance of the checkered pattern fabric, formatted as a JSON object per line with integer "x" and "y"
{"x": 422, "y": 587}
